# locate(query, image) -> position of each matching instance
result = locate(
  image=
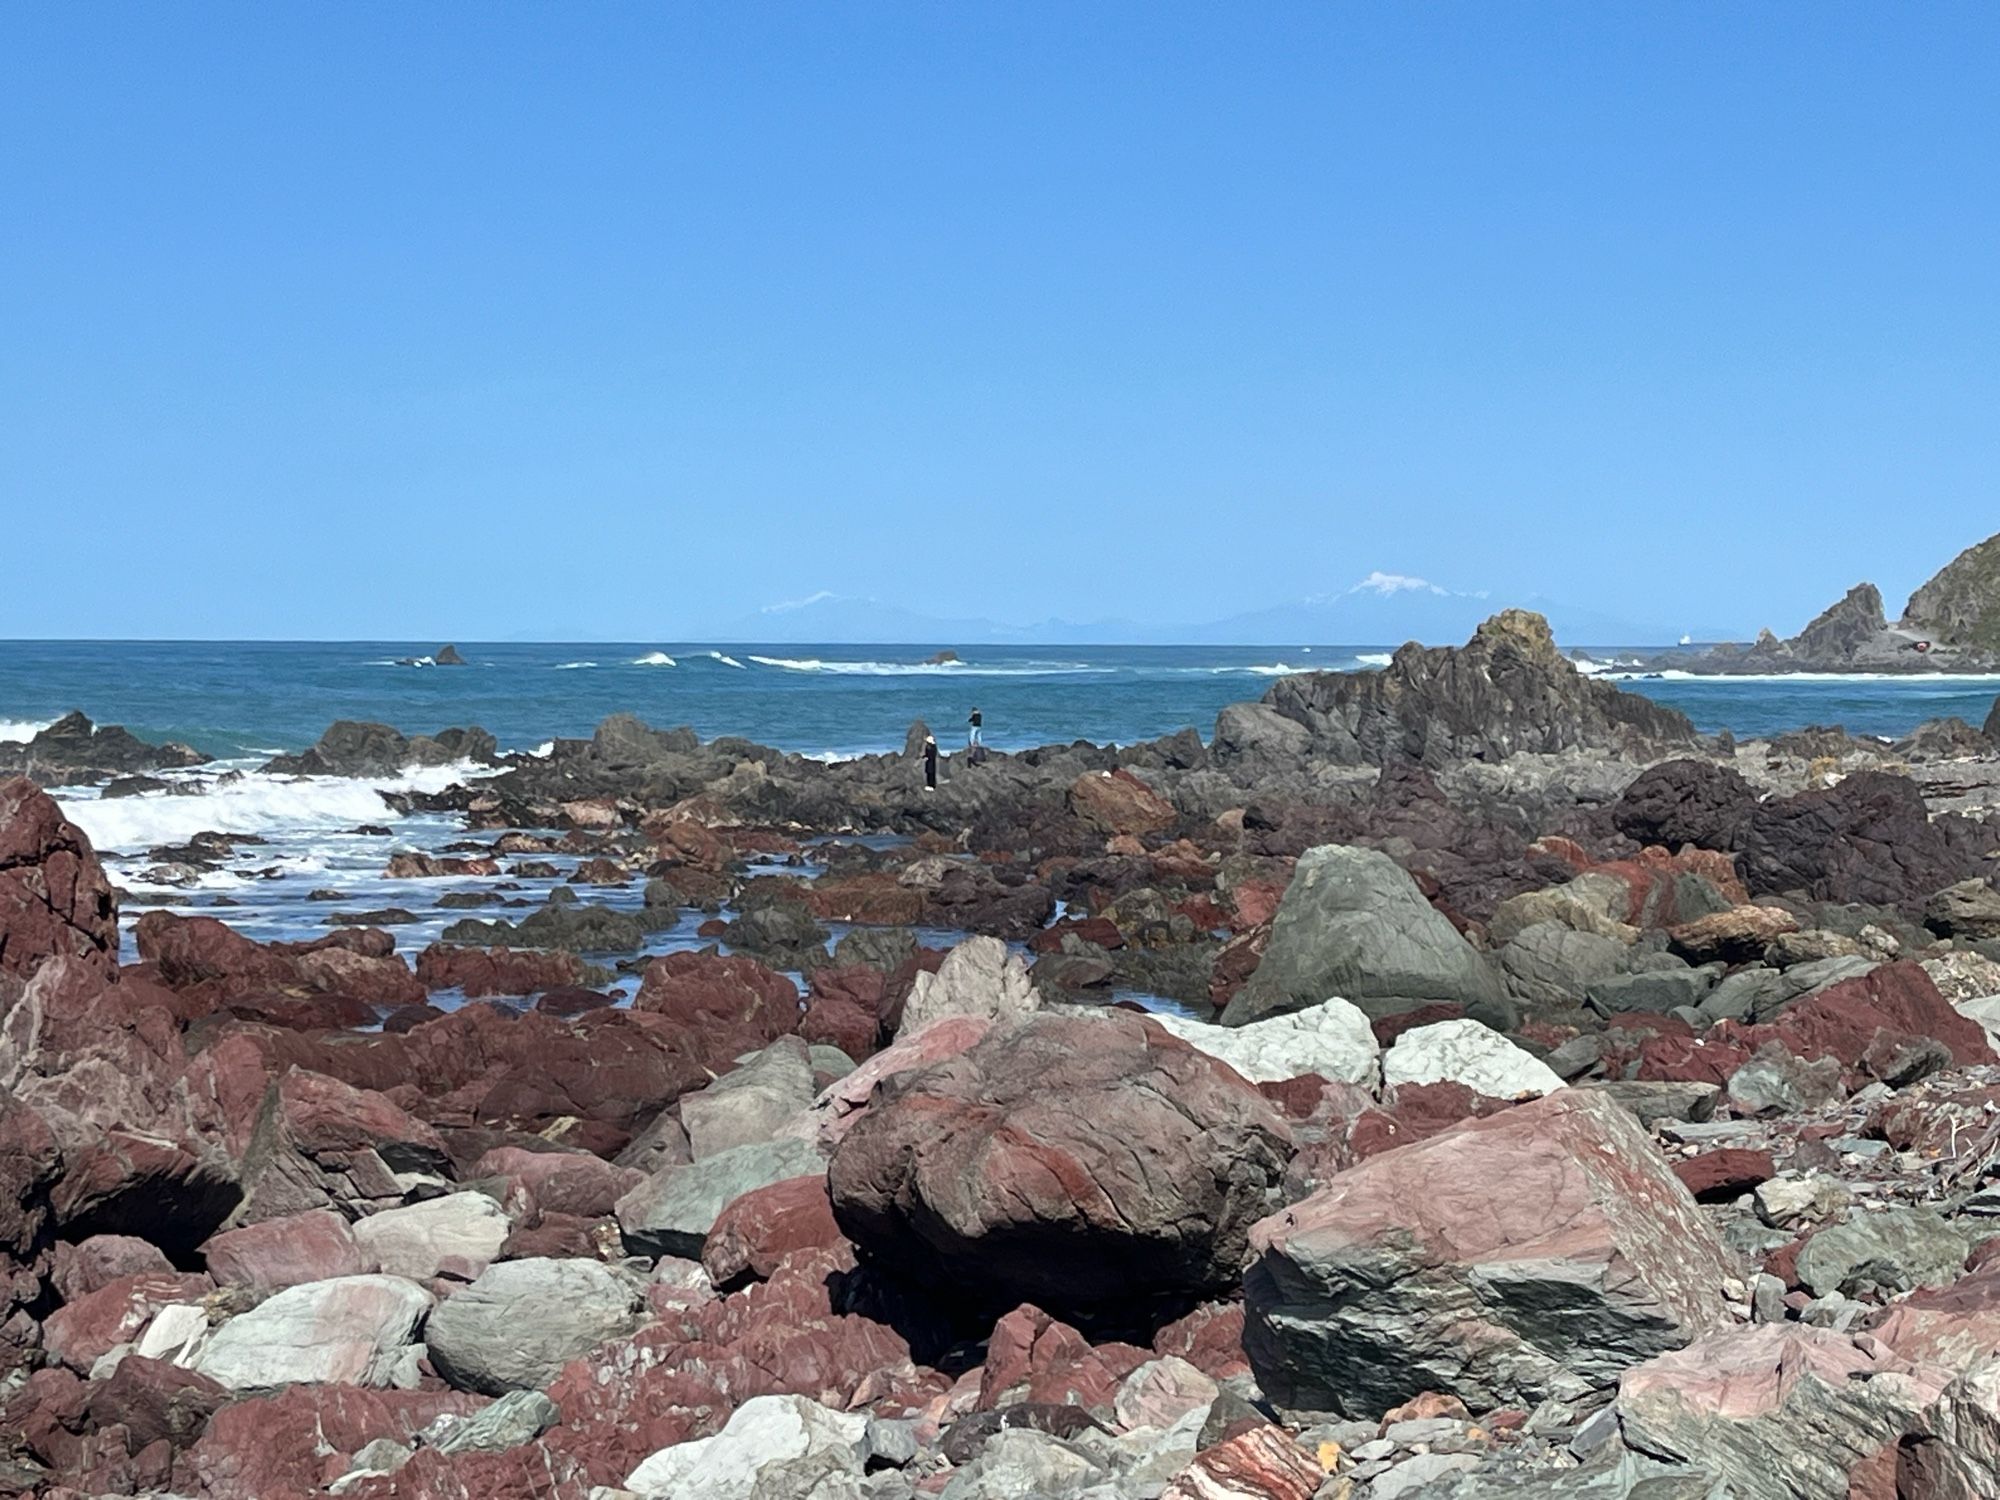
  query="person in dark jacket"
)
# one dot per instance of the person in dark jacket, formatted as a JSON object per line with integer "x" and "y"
{"x": 930, "y": 764}
{"x": 972, "y": 728}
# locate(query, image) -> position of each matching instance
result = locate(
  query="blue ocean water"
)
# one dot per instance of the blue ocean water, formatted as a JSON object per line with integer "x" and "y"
{"x": 242, "y": 699}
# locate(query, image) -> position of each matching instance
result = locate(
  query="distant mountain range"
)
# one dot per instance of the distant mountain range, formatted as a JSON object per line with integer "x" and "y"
{"x": 1383, "y": 609}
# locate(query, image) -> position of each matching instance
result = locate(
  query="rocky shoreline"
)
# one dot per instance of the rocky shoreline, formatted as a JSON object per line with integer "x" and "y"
{"x": 1554, "y": 1102}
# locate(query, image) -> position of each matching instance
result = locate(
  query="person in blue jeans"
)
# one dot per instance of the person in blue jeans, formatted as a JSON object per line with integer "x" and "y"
{"x": 972, "y": 728}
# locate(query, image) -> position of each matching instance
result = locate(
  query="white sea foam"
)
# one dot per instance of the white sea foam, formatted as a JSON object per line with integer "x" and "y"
{"x": 1375, "y": 658}
{"x": 260, "y": 804}
{"x": 727, "y": 661}
{"x": 1913, "y": 681}
{"x": 22, "y": 729}
{"x": 655, "y": 659}
{"x": 1275, "y": 669}
{"x": 931, "y": 668}
{"x": 573, "y": 666}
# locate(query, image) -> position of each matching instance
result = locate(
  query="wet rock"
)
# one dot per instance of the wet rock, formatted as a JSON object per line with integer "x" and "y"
{"x": 499, "y": 971}
{"x": 1538, "y": 1250}
{"x": 350, "y": 748}
{"x": 1068, "y": 1162}
{"x": 1353, "y": 924}
{"x": 516, "y": 1326}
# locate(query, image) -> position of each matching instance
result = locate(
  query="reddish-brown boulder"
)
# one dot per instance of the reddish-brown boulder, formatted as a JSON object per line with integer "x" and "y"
{"x": 877, "y": 899}
{"x": 1210, "y": 1338}
{"x": 498, "y": 971}
{"x": 1860, "y": 1021}
{"x": 154, "y": 1402}
{"x": 29, "y": 1164}
{"x": 292, "y": 1445}
{"x": 79, "y": 1333}
{"x": 1071, "y": 1161}
{"x": 1733, "y": 936}
{"x": 132, "y": 1184}
{"x": 191, "y": 951}
{"x": 1265, "y": 1461}
{"x": 313, "y": 1246}
{"x": 1718, "y": 1176}
{"x": 754, "y": 1234}
{"x": 321, "y": 1143}
{"x": 1033, "y": 1358}
{"x": 1115, "y": 802}
{"x": 1435, "y": 1266}
{"x": 728, "y": 1006}
{"x": 385, "y": 982}
{"x": 77, "y": 1270}
{"x": 54, "y": 897}
{"x": 559, "y": 1182}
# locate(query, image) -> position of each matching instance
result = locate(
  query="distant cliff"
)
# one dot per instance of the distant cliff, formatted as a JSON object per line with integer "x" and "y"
{"x": 1952, "y": 624}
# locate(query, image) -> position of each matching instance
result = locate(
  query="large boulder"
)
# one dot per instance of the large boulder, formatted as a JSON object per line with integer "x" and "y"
{"x": 1117, "y": 802}
{"x": 516, "y": 1326}
{"x": 354, "y": 1330}
{"x": 751, "y": 1103}
{"x": 351, "y": 748}
{"x": 54, "y": 896}
{"x": 321, "y": 1143}
{"x": 1069, "y": 1161}
{"x": 1354, "y": 924}
{"x": 1869, "y": 838}
{"x": 1332, "y": 1039}
{"x": 456, "y": 1235}
{"x": 263, "y": 1258}
{"x": 1538, "y": 1250}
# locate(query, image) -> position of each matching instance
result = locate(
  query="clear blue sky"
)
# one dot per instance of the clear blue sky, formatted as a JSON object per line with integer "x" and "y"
{"x": 618, "y": 320}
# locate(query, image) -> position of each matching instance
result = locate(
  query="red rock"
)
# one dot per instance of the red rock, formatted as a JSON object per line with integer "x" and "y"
{"x": 1235, "y": 964}
{"x": 874, "y": 899}
{"x": 1718, "y": 1176}
{"x": 683, "y": 841}
{"x": 407, "y": 1018}
{"x": 313, "y": 1246}
{"x": 1066, "y": 1159}
{"x": 321, "y": 1143}
{"x": 433, "y": 867}
{"x": 1116, "y": 802}
{"x": 155, "y": 1402}
{"x": 1210, "y": 1338}
{"x": 497, "y": 971}
{"x": 560, "y": 1182}
{"x": 292, "y": 1445}
{"x": 1427, "y": 1406}
{"x": 754, "y": 1234}
{"x": 847, "y": 1098}
{"x": 80, "y": 1333}
{"x": 30, "y": 1163}
{"x": 191, "y": 951}
{"x": 1265, "y": 1463}
{"x": 729, "y": 1006}
{"x": 127, "y": 1183}
{"x": 1956, "y": 1326}
{"x": 1031, "y": 1357}
{"x": 1255, "y": 902}
{"x": 54, "y": 897}
{"x": 1892, "y": 1005}
{"x": 80, "y": 1269}
{"x": 322, "y": 1012}
{"x": 383, "y": 982}
{"x": 1388, "y": 1028}
{"x": 1099, "y": 930}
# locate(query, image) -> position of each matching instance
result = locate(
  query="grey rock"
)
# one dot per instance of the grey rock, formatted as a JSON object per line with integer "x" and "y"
{"x": 456, "y": 1235}
{"x": 1657, "y": 991}
{"x": 352, "y": 1330}
{"x": 785, "y": 1440}
{"x": 672, "y": 1211}
{"x": 1651, "y": 1103}
{"x": 751, "y": 1104}
{"x": 1550, "y": 964}
{"x": 1352, "y": 923}
{"x": 516, "y": 1326}
{"x": 1898, "y": 1249}
{"x": 980, "y": 977}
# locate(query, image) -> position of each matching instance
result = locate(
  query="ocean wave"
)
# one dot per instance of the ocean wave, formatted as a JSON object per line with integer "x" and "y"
{"x": 256, "y": 803}
{"x": 1375, "y": 658}
{"x": 13, "y": 730}
{"x": 931, "y": 668}
{"x": 573, "y": 666}
{"x": 1934, "y": 681}
{"x": 727, "y": 661}
{"x": 655, "y": 659}
{"x": 1275, "y": 669}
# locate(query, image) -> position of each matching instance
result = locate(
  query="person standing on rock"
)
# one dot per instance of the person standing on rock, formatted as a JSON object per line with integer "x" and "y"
{"x": 930, "y": 763}
{"x": 972, "y": 728}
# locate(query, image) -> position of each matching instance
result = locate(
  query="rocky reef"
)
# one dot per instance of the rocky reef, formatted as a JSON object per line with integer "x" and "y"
{"x": 1554, "y": 1103}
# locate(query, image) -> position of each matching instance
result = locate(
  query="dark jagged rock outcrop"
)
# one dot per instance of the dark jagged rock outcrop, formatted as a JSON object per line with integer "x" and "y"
{"x": 351, "y": 748}
{"x": 1506, "y": 691}
{"x": 73, "y": 750}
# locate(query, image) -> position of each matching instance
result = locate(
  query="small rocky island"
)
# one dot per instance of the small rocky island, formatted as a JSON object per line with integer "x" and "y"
{"x": 1951, "y": 624}
{"x": 1552, "y": 1102}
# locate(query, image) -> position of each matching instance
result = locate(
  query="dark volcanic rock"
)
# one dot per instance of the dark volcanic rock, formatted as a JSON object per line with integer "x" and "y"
{"x": 349, "y": 748}
{"x": 73, "y": 749}
{"x": 1507, "y": 690}
{"x": 1070, "y": 1162}
{"x": 1869, "y": 839}
{"x": 1685, "y": 802}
